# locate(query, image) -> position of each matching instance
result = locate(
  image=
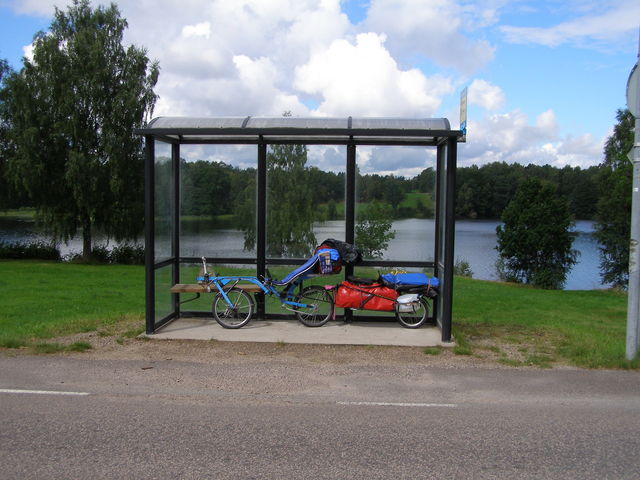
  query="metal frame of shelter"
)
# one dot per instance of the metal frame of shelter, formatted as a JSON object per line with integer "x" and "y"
{"x": 261, "y": 131}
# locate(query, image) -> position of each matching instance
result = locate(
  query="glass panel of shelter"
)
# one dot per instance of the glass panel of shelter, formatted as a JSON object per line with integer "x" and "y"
{"x": 163, "y": 202}
{"x": 305, "y": 205}
{"x": 163, "y": 210}
{"x": 163, "y": 299}
{"x": 442, "y": 209}
{"x": 395, "y": 185}
{"x": 217, "y": 206}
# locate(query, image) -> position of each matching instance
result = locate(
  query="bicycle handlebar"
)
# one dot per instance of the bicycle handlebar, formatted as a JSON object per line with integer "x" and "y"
{"x": 204, "y": 266}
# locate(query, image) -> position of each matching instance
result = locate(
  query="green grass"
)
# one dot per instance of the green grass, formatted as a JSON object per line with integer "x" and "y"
{"x": 45, "y": 347}
{"x": 79, "y": 347}
{"x": 582, "y": 328}
{"x": 46, "y": 299}
{"x": 432, "y": 350}
{"x": 516, "y": 325}
{"x": 132, "y": 333}
{"x": 413, "y": 199}
{"x": 21, "y": 213}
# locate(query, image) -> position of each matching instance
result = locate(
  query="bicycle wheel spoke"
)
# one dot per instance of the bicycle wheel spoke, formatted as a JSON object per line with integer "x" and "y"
{"x": 238, "y": 314}
{"x": 318, "y": 306}
{"x": 416, "y": 318}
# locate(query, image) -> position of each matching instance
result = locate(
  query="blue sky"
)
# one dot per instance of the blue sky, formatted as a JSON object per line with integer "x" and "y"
{"x": 545, "y": 77}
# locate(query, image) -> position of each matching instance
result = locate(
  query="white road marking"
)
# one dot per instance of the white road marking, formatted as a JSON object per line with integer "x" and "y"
{"x": 398, "y": 404}
{"x": 41, "y": 392}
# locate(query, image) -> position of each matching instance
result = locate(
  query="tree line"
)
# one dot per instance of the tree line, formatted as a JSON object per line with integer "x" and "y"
{"x": 484, "y": 192}
{"x": 216, "y": 188}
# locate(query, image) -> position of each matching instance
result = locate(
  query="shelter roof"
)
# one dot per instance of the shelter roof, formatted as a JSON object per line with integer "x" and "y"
{"x": 307, "y": 130}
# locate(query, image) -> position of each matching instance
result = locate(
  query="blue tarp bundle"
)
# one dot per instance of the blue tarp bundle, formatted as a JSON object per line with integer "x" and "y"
{"x": 407, "y": 280}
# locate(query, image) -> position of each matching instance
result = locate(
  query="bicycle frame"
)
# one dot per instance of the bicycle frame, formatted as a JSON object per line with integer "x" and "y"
{"x": 226, "y": 282}
{"x": 231, "y": 310}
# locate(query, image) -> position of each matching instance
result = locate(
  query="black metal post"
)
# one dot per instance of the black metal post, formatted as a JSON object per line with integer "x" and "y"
{"x": 449, "y": 240}
{"x": 350, "y": 210}
{"x": 261, "y": 219}
{"x": 175, "y": 225}
{"x": 149, "y": 233}
{"x": 437, "y": 246}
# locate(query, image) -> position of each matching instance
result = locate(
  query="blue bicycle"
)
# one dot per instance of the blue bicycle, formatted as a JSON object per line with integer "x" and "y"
{"x": 233, "y": 306}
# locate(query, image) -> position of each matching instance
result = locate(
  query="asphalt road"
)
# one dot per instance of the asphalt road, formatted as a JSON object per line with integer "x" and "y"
{"x": 136, "y": 419}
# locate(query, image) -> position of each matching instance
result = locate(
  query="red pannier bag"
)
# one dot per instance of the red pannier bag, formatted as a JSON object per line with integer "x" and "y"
{"x": 365, "y": 297}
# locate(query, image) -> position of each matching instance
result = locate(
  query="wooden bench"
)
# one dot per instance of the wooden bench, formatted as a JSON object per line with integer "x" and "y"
{"x": 197, "y": 288}
{"x": 200, "y": 289}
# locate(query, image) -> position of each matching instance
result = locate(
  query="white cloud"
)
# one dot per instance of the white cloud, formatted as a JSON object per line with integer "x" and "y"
{"x": 583, "y": 150}
{"x": 242, "y": 156}
{"x": 232, "y": 58}
{"x": 432, "y": 28}
{"x": 364, "y": 79}
{"x": 255, "y": 73}
{"x": 486, "y": 95}
{"x": 511, "y": 138}
{"x": 192, "y": 55}
{"x": 477, "y": 14}
{"x": 317, "y": 28}
{"x": 258, "y": 79}
{"x": 399, "y": 161}
{"x": 327, "y": 157}
{"x": 27, "y": 52}
{"x": 546, "y": 124}
{"x": 199, "y": 30}
{"x": 620, "y": 20}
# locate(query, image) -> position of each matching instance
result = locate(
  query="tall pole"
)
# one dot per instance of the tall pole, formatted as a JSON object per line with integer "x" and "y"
{"x": 350, "y": 210}
{"x": 633, "y": 310}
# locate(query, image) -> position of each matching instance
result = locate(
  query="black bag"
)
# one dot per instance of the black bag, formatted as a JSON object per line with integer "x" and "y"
{"x": 348, "y": 253}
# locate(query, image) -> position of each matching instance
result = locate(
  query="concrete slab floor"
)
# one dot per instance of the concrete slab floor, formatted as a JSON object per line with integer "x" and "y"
{"x": 290, "y": 331}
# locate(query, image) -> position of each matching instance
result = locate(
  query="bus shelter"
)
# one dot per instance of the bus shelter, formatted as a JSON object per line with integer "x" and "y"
{"x": 165, "y": 260}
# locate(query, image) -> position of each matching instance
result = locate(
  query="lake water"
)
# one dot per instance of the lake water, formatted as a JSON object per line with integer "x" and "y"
{"x": 475, "y": 242}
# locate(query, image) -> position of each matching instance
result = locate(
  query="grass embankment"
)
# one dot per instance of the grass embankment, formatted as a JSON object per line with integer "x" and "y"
{"x": 42, "y": 300}
{"x": 417, "y": 200}
{"x": 516, "y": 324}
{"x": 524, "y": 325}
{"x": 19, "y": 213}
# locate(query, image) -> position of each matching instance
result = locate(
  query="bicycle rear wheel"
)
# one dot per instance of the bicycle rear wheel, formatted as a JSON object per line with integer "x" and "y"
{"x": 318, "y": 308}
{"x": 414, "y": 319}
{"x": 237, "y": 314}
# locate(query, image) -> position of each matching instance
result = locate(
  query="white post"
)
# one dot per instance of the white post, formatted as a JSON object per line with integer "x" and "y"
{"x": 633, "y": 310}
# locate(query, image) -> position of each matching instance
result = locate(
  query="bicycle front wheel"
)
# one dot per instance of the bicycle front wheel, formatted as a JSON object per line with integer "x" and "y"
{"x": 236, "y": 314}
{"x": 416, "y": 318}
{"x": 318, "y": 306}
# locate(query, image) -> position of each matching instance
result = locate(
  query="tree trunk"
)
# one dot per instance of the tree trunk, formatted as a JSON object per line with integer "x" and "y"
{"x": 86, "y": 240}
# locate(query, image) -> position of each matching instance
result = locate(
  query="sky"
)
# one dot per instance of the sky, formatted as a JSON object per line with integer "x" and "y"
{"x": 545, "y": 77}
